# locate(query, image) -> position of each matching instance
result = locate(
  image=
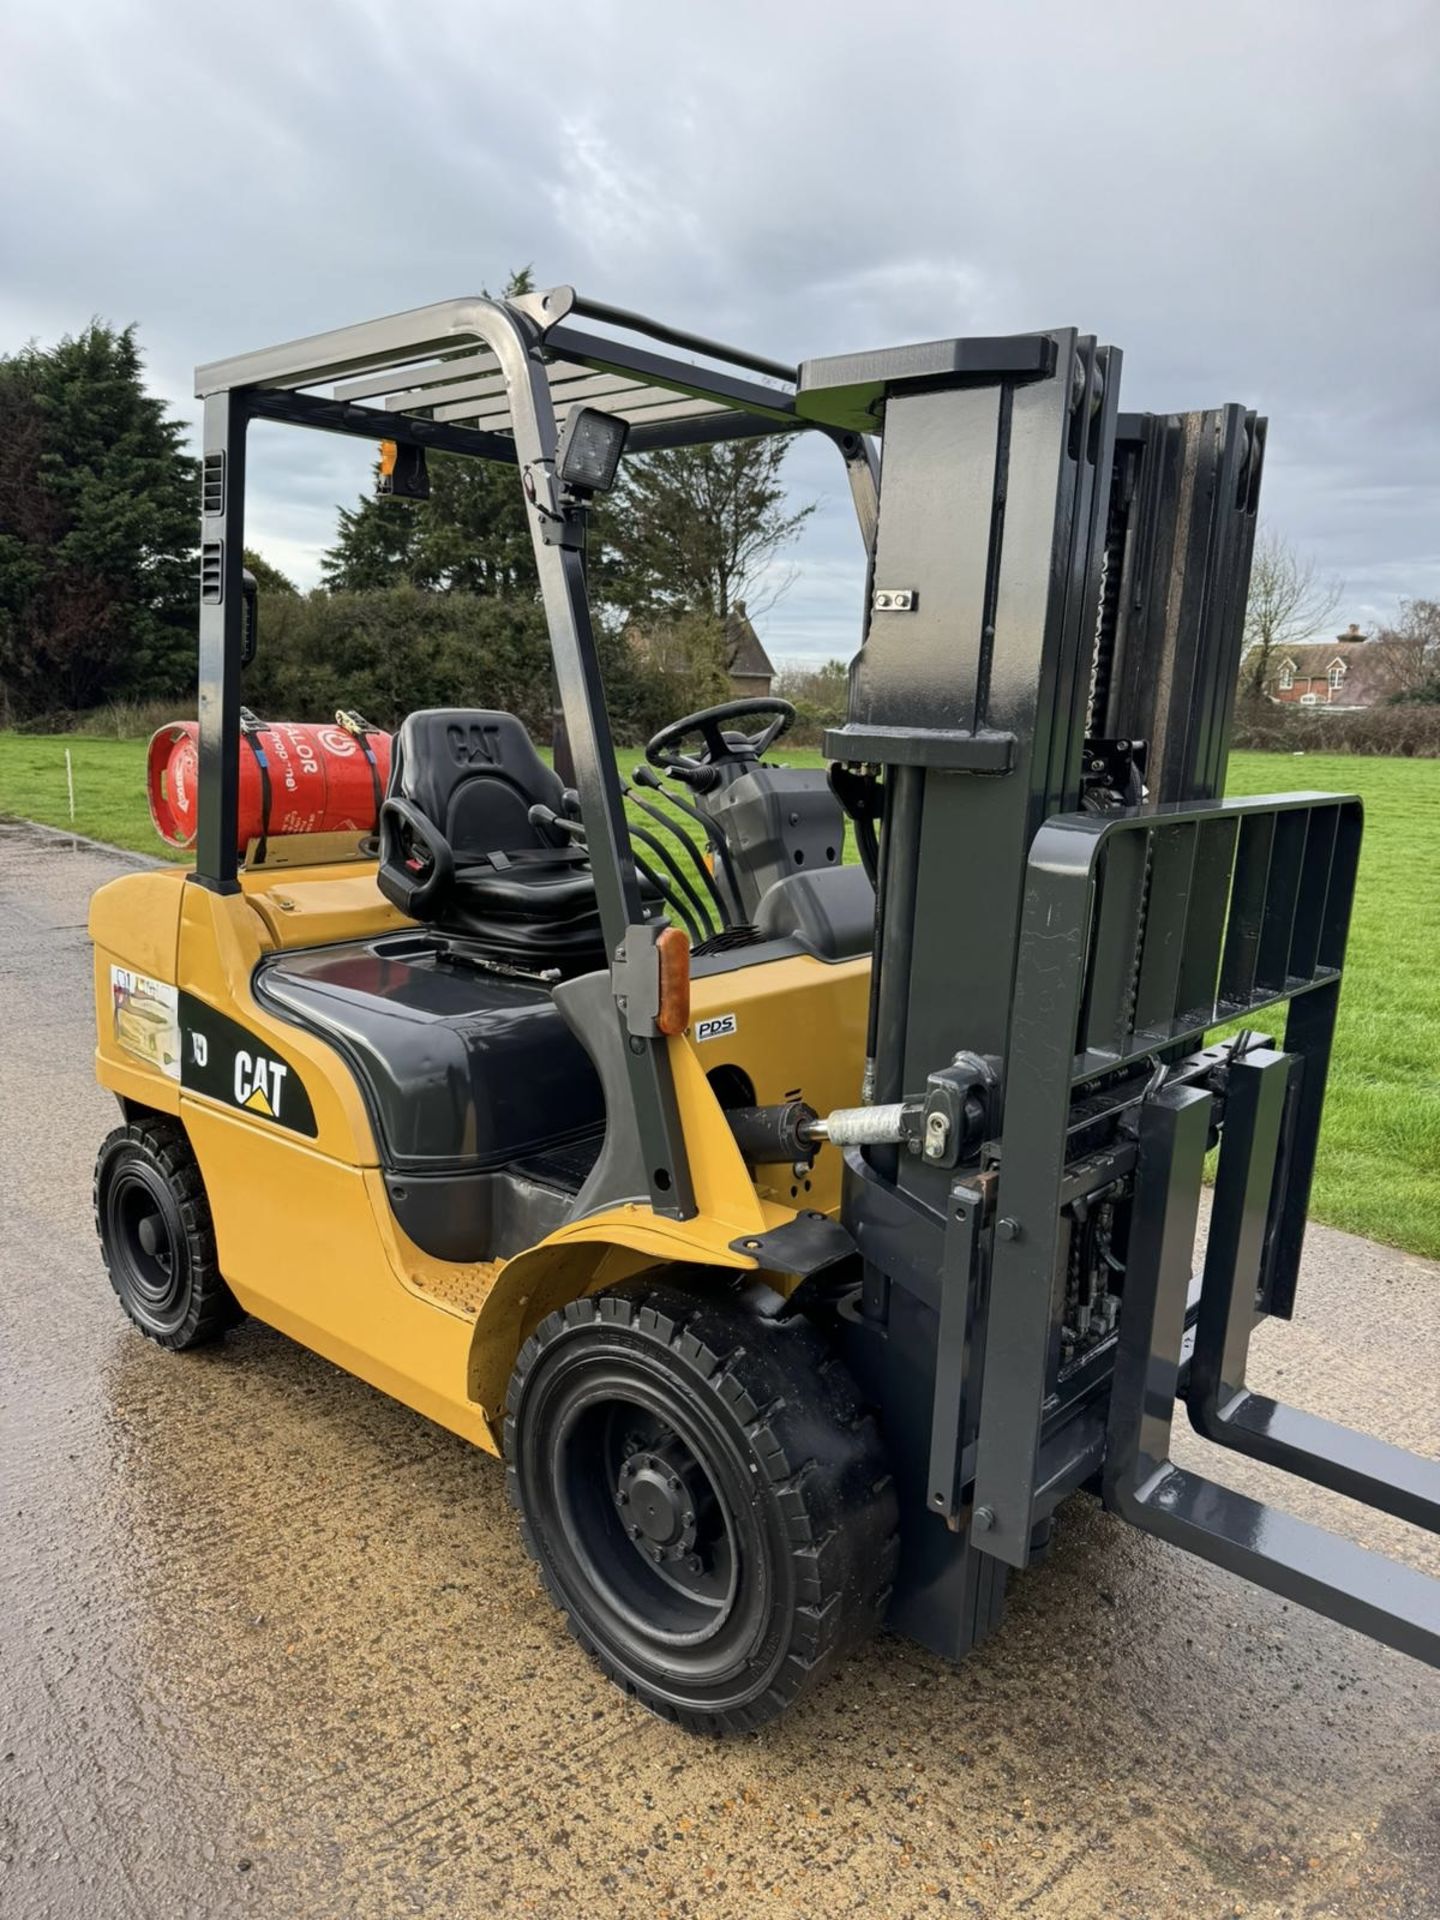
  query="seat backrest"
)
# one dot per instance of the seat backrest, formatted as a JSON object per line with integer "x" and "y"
{"x": 475, "y": 773}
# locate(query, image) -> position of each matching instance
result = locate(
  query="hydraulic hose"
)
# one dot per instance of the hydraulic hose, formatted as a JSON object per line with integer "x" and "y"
{"x": 667, "y": 894}
{"x": 543, "y": 816}
{"x": 663, "y": 853}
{"x": 657, "y": 814}
{"x": 647, "y": 777}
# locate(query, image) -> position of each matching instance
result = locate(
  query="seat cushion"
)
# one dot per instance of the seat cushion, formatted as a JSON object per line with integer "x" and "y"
{"x": 528, "y": 890}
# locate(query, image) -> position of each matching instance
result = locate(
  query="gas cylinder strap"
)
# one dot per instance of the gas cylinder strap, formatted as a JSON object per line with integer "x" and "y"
{"x": 361, "y": 730}
{"x": 251, "y": 730}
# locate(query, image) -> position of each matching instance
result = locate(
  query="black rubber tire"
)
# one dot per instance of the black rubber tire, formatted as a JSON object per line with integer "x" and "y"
{"x": 156, "y": 1237}
{"x": 797, "y": 1539}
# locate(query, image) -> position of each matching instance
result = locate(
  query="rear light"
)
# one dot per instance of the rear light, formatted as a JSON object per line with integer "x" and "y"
{"x": 672, "y": 950}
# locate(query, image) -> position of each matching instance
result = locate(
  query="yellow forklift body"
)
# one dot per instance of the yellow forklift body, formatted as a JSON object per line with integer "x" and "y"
{"x": 306, "y": 1236}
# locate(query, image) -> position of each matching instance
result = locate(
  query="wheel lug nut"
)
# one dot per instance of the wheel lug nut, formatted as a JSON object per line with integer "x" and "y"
{"x": 693, "y": 1563}
{"x": 674, "y": 1484}
{"x": 634, "y": 1533}
{"x": 623, "y": 1498}
{"x": 688, "y": 1520}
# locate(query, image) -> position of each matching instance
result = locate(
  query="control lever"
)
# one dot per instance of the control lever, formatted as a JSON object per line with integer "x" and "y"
{"x": 697, "y": 858}
{"x": 646, "y": 776}
{"x": 542, "y": 816}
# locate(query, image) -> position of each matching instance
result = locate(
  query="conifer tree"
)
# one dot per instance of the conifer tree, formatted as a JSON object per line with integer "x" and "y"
{"x": 98, "y": 528}
{"x": 470, "y": 536}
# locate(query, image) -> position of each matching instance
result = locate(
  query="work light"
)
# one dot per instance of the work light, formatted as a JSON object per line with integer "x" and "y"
{"x": 402, "y": 474}
{"x": 590, "y": 449}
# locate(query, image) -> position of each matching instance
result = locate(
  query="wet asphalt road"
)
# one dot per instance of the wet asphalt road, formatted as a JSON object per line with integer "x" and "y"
{"x": 269, "y": 1645}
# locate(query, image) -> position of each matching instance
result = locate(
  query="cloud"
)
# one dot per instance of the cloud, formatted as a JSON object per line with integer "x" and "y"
{"x": 1246, "y": 200}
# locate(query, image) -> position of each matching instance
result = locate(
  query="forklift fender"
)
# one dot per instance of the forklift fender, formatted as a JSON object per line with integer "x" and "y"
{"x": 583, "y": 1257}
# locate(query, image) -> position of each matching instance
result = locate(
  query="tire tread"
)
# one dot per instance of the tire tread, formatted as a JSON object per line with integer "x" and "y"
{"x": 213, "y": 1308}
{"x": 819, "y": 1451}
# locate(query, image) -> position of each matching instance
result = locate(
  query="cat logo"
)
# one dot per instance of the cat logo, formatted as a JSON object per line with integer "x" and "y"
{"x": 222, "y": 1060}
{"x": 259, "y": 1083}
{"x": 474, "y": 745}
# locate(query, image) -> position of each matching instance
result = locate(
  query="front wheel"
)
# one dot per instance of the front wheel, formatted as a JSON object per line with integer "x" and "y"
{"x": 706, "y": 1497}
{"x": 156, "y": 1237}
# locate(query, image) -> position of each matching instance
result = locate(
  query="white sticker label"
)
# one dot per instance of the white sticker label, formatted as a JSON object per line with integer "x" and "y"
{"x": 146, "y": 1019}
{"x": 717, "y": 1028}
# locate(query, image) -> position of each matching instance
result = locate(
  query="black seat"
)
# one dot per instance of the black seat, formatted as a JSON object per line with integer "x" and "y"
{"x": 460, "y": 852}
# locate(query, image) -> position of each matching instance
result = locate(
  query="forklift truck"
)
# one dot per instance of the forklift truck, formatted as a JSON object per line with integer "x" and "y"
{"x": 801, "y": 1235}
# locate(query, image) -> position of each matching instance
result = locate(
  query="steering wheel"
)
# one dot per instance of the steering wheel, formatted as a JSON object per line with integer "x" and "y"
{"x": 721, "y": 748}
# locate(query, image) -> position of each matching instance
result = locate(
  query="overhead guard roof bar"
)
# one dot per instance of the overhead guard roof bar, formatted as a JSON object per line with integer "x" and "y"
{"x": 396, "y": 362}
{"x": 673, "y": 337}
{"x": 419, "y": 334}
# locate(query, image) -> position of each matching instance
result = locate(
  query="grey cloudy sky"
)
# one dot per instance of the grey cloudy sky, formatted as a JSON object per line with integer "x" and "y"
{"x": 1246, "y": 198}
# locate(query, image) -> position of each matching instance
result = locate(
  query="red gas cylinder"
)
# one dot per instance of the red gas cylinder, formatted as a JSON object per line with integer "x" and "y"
{"x": 320, "y": 781}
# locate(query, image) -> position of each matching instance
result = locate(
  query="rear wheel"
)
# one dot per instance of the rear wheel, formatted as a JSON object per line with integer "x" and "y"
{"x": 706, "y": 1497}
{"x": 156, "y": 1238}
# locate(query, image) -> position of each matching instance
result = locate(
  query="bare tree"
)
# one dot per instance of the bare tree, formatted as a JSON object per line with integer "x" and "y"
{"x": 688, "y": 652}
{"x": 1409, "y": 652}
{"x": 1289, "y": 602}
{"x": 694, "y": 529}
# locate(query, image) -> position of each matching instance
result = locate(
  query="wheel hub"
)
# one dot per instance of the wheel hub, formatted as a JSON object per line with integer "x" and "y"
{"x": 657, "y": 1505}
{"x": 142, "y": 1240}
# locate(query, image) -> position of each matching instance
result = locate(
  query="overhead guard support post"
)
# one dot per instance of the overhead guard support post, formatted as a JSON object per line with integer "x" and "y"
{"x": 587, "y": 724}
{"x": 222, "y": 560}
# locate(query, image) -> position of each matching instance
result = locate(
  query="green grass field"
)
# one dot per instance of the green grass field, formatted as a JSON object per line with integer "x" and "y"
{"x": 1379, "y": 1171}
